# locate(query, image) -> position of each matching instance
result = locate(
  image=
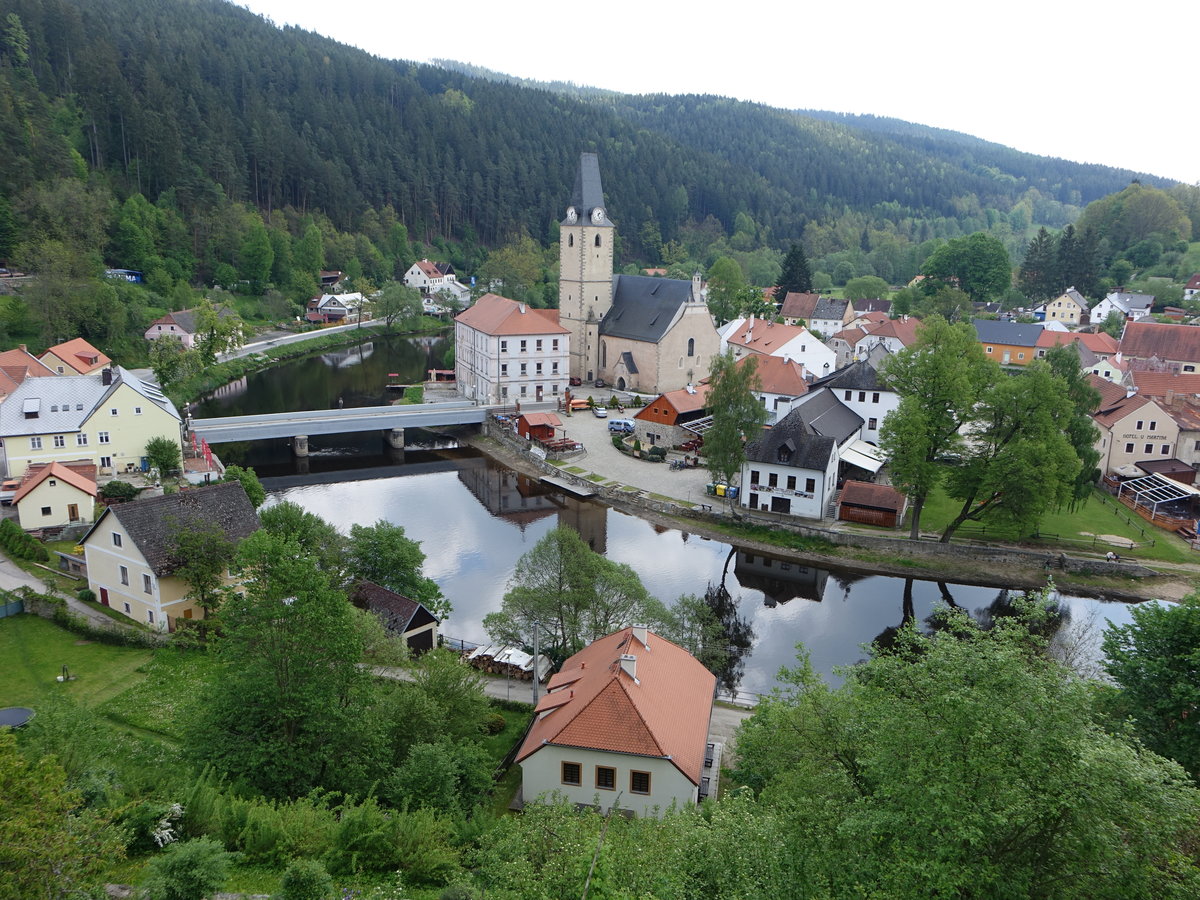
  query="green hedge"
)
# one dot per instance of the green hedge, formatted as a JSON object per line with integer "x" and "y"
{"x": 19, "y": 544}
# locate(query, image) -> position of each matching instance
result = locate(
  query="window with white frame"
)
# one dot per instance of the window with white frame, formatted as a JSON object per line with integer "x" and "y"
{"x": 113, "y": 411}
{"x": 124, "y": 574}
{"x": 81, "y": 439}
{"x": 147, "y": 584}
{"x": 116, "y": 538}
{"x": 137, "y": 410}
{"x": 60, "y": 440}
{"x": 104, "y": 438}
{"x": 35, "y": 443}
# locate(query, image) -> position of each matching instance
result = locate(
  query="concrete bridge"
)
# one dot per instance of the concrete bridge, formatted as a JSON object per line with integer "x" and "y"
{"x": 299, "y": 426}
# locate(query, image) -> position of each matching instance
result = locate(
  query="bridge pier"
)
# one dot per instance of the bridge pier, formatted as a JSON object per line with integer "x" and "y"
{"x": 300, "y": 445}
{"x": 395, "y": 438}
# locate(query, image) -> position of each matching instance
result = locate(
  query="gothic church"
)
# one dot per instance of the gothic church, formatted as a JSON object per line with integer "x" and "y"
{"x": 638, "y": 333}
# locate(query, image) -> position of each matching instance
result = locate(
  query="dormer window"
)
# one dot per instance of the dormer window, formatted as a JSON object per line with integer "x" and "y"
{"x": 786, "y": 450}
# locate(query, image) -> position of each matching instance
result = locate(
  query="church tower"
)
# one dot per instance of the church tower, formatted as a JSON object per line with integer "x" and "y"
{"x": 585, "y": 264}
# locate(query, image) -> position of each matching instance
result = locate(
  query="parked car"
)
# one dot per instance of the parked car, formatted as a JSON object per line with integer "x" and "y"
{"x": 599, "y": 412}
{"x": 620, "y": 426}
{"x": 8, "y": 490}
{"x": 600, "y": 382}
{"x": 575, "y": 382}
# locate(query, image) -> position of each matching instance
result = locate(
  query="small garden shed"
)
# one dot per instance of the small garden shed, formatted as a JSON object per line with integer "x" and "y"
{"x": 872, "y": 504}
{"x": 538, "y": 426}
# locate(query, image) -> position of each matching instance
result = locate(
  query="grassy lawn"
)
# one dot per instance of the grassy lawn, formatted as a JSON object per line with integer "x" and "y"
{"x": 35, "y": 650}
{"x": 168, "y": 683}
{"x": 1075, "y": 528}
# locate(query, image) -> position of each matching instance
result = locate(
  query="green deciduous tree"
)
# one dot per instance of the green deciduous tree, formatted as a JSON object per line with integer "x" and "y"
{"x": 317, "y": 538}
{"x": 967, "y": 763}
{"x": 866, "y": 287}
{"x": 977, "y": 264}
{"x": 1156, "y": 662}
{"x": 1079, "y": 427}
{"x": 796, "y": 276}
{"x": 217, "y": 331}
{"x": 383, "y": 554}
{"x": 939, "y": 380}
{"x": 575, "y": 594}
{"x": 287, "y": 709}
{"x": 164, "y": 454}
{"x": 725, "y": 282}
{"x": 397, "y": 303}
{"x": 1017, "y": 460}
{"x": 50, "y": 845}
{"x": 170, "y": 361}
{"x": 737, "y": 414}
{"x": 201, "y": 554}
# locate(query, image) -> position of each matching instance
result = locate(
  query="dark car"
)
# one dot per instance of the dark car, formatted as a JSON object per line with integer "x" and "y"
{"x": 600, "y": 382}
{"x": 575, "y": 382}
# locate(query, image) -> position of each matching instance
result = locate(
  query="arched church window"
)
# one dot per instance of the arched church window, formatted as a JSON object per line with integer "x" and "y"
{"x": 691, "y": 346}
{"x": 597, "y": 240}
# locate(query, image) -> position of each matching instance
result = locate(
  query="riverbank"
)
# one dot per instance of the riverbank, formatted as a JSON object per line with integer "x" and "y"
{"x": 986, "y": 565}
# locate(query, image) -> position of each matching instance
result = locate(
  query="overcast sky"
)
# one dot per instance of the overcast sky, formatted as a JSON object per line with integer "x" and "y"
{"x": 1105, "y": 82}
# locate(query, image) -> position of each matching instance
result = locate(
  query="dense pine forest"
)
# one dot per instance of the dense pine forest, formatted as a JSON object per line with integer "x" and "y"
{"x": 200, "y": 143}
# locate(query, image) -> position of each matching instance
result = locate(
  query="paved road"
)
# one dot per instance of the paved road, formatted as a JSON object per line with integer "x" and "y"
{"x": 13, "y": 577}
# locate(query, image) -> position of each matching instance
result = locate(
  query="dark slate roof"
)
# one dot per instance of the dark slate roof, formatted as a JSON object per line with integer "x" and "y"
{"x": 873, "y": 305}
{"x": 829, "y": 308}
{"x": 991, "y": 331}
{"x": 808, "y": 449}
{"x": 152, "y": 523}
{"x": 643, "y": 308}
{"x": 588, "y": 192}
{"x": 860, "y": 375}
{"x": 826, "y": 414}
{"x": 397, "y": 611}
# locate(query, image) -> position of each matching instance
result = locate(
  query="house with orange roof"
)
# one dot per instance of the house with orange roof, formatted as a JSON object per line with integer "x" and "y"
{"x": 1133, "y": 428}
{"x": 798, "y": 307}
{"x": 1101, "y": 343}
{"x": 843, "y": 343}
{"x": 1153, "y": 345}
{"x": 507, "y": 351}
{"x": 55, "y": 495}
{"x": 623, "y": 725}
{"x": 824, "y": 314}
{"x": 892, "y": 335}
{"x": 74, "y": 357}
{"x": 18, "y": 364}
{"x": 781, "y": 382}
{"x": 662, "y": 421}
{"x": 767, "y": 338}
{"x": 433, "y": 278}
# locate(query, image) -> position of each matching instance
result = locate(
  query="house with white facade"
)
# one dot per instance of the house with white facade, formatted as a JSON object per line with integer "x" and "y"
{"x": 624, "y": 724}
{"x": 130, "y": 551}
{"x": 434, "y": 278}
{"x": 859, "y": 388}
{"x": 506, "y": 351}
{"x": 792, "y": 469}
{"x": 768, "y": 338}
{"x": 781, "y": 383}
{"x": 1134, "y": 307}
{"x": 106, "y": 417}
{"x": 181, "y": 326}
{"x": 1192, "y": 288}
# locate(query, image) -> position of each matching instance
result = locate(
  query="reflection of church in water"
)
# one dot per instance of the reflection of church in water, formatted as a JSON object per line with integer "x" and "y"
{"x": 523, "y": 500}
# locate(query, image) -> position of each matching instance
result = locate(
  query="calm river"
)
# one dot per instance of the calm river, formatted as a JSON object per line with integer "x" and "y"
{"x": 475, "y": 518}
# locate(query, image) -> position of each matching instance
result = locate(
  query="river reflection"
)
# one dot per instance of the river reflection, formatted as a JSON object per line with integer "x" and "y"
{"x": 474, "y": 519}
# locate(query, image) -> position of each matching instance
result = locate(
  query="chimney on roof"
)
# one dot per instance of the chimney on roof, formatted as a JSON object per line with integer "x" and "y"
{"x": 1129, "y": 392}
{"x": 521, "y": 306}
{"x": 639, "y": 633}
{"x": 1170, "y": 397}
{"x": 106, "y": 376}
{"x": 629, "y": 665}
{"x": 23, "y": 349}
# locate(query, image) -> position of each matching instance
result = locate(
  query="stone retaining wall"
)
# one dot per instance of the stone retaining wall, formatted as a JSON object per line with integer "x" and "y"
{"x": 898, "y": 545}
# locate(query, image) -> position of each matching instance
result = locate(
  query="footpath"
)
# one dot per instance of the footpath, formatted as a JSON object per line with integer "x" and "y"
{"x": 13, "y": 577}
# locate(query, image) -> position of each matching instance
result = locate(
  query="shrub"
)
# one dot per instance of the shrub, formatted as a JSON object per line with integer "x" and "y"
{"x": 119, "y": 490}
{"x": 306, "y": 879}
{"x": 618, "y": 442}
{"x": 495, "y": 724}
{"x": 87, "y": 595}
{"x": 656, "y": 454}
{"x": 164, "y": 454}
{"x": 188, "y": 871}
{"x": 19, "y": 544}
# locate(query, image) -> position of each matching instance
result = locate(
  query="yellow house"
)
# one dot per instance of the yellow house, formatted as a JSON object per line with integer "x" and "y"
{"x": 130, "y": 550}
{"x": 1070, "y": 307}
{"x": 107, "y": 417}
{"x": 74, "y": 357}
{"x": 53, "y": 496}
{"x": 1133, "y": 428}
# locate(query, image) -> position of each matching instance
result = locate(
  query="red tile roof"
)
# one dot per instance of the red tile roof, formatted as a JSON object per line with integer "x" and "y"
{"x": 799, "y": 306}
{"x": 56, "y": 470}
{"x": 1143, "y": 340}
{"x": 80, "y": 354}
{"x": 1193, "y": 283}
{"x": 542, "y": 418}
{"x": 1100, "y": 343}
{"x": 1156, "y": 384}
{"x": 682, "y": 401}
{"x": 594, "y": 703}
{"x": 766, "y": 337}
{"x": 777, "y": 375}
{"x": 496, "y": 315}
{"x": 876, "y": 496}
{"x": 904, "y": 330}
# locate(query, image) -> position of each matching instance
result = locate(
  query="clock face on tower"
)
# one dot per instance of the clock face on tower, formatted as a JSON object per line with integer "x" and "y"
{"x": 572, "y": 216}
{"x": 598, "y": 215}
